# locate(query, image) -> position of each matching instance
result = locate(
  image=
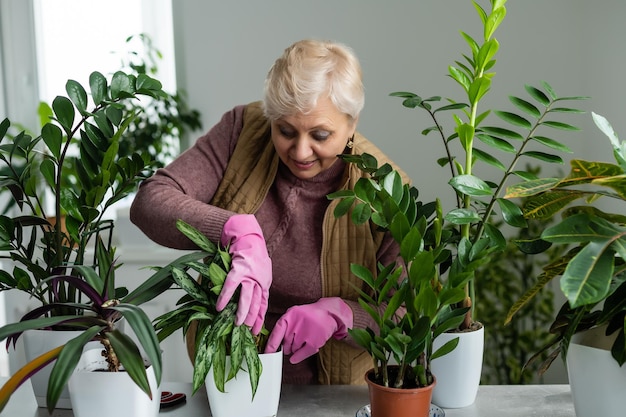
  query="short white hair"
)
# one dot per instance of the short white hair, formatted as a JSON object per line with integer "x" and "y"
{"x": 309, "y": 69}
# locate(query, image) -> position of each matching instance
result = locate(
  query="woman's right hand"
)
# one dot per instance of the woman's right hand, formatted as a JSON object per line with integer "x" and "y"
{"x": 251, "y": 269}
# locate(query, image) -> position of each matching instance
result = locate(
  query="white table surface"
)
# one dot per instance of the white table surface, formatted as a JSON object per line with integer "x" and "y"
{"x": 345, "y": 400}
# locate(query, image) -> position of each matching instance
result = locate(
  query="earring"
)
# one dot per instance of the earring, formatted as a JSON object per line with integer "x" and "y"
{"x": 350, "y": 143}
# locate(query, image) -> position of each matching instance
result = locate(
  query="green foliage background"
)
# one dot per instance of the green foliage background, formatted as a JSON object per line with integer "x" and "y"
{"x": 500, "y": 284}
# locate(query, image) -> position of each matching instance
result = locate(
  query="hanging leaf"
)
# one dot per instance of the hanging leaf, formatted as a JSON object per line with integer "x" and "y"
{"x": 542, "y": 156}
{"x": 525, "y": 106}
{"x": 514, "y": 119}
{"x": 559, "y": 125}
{"x": 538, "y": 95}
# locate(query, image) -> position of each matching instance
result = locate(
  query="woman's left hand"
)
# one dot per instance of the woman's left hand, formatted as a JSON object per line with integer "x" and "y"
{"x": 304, "y": 329}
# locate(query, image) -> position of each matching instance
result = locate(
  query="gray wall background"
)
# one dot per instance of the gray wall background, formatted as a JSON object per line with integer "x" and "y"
{"x": 224, "y": 49}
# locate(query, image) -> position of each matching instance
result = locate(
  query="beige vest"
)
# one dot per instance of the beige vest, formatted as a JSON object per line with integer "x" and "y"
{"x": 248, "y": 177}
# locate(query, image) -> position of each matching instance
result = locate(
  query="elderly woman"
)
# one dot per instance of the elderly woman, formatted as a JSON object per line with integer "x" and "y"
{"x": 258, "y": 181}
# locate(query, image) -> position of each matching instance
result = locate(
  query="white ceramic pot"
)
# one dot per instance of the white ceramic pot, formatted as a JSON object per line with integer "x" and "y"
{"x": 237, "y": 400}
{"x": 37, "y": 342}
{"x": 597, "y": 382}
{"x": 104, "y": 394}
{"x": 458, "y": 373}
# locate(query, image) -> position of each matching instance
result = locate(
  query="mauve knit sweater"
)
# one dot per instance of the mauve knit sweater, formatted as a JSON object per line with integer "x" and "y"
{"x": 290, "y": 217}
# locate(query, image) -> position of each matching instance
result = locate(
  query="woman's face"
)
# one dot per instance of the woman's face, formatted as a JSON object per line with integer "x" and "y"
{"x": 309, "y": 143}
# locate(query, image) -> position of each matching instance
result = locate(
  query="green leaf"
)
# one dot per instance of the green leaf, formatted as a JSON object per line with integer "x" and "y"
{"x": 529, "y": 188}
{"x": 392, "y": 183}
{"x": 453, "y": 106}
{"x": 411, "y": 245}
{"x": 551, "y": 143}
{"x": 131, "y": 358}
{"x": 361, "y": 213}
{"x": 487, "y": 158}
{"x": 91, "y": 277}
{"x": 514, "y": 119}
{"x": 497, "y": 143}
{"x": 588, "y": 275}
{"x": 39, "y": 323}
{"x": 470, "y": 185}
{"x": 501, "y": 132}
{"x": 48, "y": 170}
{"x": 189, "y": 285}
{"x": 447, "y": 347}
{"x": 511, "y": 213}
{"x": 363, "y": 274}
{"x": 77, "y": 94}
{"x": 545, "y": 205}
{"x": 559, "y": 125}
{"x": 65, "y": 364}
{"x": 341, "y": 194}
{"x": 538, "y": 95}
{"x": 142, "y": 327}
{"x": 462, "y": 216}
{"x": 479, "y": 88}
{"x": 120, "y": 84}
{"x": 362, "y": 338}
{"x": 459, "y": 77}
{"x": 486, "y": 53}
{"x": 542, "y": 156}
{"x": 145, "y": 83}
{"x": 342, "y": 208}
{"x": 203, "y": 360}
{"x": 253, "y": 362}
{"x": 525, "y": 106}
{"x": 64, "y": 112}
{"x": 466, "y": 135}
{"x": 619, "y": 148}
{"x": 236, "y": 351}
{"x": 98, "y": 86}
{"x": 53, "y": 138}
{"x": 196, "y": 237}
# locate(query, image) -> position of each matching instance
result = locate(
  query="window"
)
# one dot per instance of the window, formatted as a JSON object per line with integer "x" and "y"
{"x": 70, "y": 39}
{"x": 93, "y": 37}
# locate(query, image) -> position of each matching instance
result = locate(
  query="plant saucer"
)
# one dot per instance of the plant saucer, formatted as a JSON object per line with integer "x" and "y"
{"x": 435, "y": 411}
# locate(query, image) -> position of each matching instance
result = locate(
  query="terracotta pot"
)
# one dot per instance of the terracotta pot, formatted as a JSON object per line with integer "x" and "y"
{"x": 398, "y": 402}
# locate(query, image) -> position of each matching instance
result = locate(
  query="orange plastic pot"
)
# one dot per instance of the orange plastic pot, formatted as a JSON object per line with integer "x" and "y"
{"x": 398, "y": 402}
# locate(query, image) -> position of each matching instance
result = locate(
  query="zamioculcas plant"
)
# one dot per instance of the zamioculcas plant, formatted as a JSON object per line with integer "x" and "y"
{"x": 57, "y": 223}
{"x": 474, "y": 141}
{"x": 84, "y": 133}
{"x": 410, "y": 312}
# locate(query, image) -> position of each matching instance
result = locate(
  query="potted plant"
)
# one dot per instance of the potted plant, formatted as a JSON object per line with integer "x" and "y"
{"x": 409, "y": 302}
{"x": 161, "y": 121}
{"x": 56, "y": 222}
{"x": 96, "y": 324}
{"x": 592, "y": 273}
{"x": 476, "y": 228}
{"x": 222, "y": 352}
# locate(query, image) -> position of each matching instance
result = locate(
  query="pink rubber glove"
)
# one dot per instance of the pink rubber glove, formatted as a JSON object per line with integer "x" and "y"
{"x": 304, "y": 329}
{"x": 251, "y": 268}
